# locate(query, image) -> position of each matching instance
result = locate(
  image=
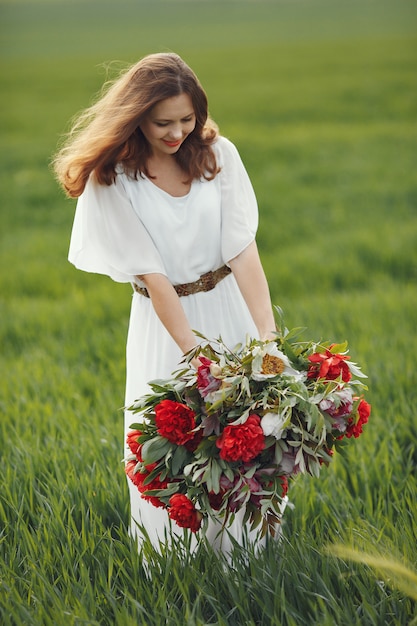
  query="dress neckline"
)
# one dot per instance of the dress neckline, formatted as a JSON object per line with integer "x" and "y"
{"x": 166, "y": 192}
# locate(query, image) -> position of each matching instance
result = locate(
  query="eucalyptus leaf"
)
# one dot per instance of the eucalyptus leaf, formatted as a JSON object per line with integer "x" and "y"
{"x": 314, "y": 468}
{"x": 178, "y": 459}
{"x": 136, "y": 426}
{"x": 154, "y": 449}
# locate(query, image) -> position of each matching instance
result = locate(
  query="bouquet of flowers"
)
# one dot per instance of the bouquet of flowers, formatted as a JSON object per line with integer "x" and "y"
{"x": 230, "y": 435}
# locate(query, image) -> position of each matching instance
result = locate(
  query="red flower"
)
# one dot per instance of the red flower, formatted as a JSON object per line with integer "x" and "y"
{"x": 329, "y": 366}
{"x": 215, "y": 500}
{"x": 184, "y": 513}
{"x": 354, "y": 428}
{"x": 139, "y": 478}
{"x": 174, "y": 421}
{"x": 130, "y": 472}
{"x": 193, "y": 443}
{"x": 242, "y": 442}
{"x": 284, "y": 486}
{"x": 134, "y": 445}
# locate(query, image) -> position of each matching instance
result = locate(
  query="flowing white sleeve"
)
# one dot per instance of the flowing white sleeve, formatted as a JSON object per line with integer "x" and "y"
{"x": 109, "y": 238}
{"x": 239, "y": 205}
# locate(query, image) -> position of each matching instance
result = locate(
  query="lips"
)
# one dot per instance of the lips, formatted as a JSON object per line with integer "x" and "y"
{"x": 172, "y": 144}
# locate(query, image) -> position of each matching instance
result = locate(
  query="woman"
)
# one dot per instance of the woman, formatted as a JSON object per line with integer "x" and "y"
{"x": 165, "y": 203}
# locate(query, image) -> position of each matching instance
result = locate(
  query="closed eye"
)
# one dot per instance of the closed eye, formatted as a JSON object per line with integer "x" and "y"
{"x": 184, "y": 120}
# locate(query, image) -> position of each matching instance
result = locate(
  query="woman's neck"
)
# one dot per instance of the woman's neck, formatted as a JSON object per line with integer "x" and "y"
{"x": 166, "y": 174}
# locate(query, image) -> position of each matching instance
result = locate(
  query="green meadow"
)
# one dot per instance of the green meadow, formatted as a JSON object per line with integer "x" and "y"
{"x": 320, "y": 98}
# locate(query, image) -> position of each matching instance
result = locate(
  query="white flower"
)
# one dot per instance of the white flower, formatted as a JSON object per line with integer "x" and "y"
{"x": 273, "y": 424}
{"x": 268, "y": 362}
{"x": 216, "y": 370}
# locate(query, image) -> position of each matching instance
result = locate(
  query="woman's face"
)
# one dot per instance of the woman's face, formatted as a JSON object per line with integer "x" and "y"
{"x": 168, "y": 124}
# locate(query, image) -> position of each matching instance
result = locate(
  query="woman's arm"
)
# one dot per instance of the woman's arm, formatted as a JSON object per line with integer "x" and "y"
{"x": 250, "y": 277}
{"x": 169, "y": 309}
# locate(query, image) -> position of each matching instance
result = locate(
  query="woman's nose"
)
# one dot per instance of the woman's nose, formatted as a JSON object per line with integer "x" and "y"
{"x": 176, "y": 132}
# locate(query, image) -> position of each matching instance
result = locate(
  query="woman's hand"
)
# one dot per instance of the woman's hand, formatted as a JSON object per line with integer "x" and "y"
{"x": 196, "y": 363}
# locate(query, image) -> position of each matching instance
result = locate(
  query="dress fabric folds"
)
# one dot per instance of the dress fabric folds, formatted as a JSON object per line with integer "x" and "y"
{"x": 132, "y": 228}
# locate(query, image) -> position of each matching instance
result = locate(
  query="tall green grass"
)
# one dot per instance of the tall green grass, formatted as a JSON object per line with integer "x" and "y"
{"x": 320, "y": 99}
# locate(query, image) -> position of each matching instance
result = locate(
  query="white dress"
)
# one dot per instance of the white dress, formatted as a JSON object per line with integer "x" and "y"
{"x": 133, "y": 228}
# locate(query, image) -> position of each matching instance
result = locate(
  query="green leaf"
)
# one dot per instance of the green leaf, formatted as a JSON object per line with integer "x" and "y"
{"x": 278, "y": 454}
{"x": 212, "y": 476}
{"x": 338, "y": 348}
{"x": 179, "y": 457}
{"x": 196, "y": 477}
{"x": 136, "y": 426}
{"x": 314, "y": 468}
{"x": 256, "y": 519}
{"x": 154, "y": 474}
{"x": 154, "y": 449}
{"x": 295, "y": 332}
{"x": 251, "y": 471}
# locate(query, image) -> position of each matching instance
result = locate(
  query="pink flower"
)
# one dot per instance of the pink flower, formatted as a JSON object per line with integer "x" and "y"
{"x": 206, "y": 382}
{"x": 339, "y": 406}
{"x": 235, "y": 501}
{"x": 255, "y": 489}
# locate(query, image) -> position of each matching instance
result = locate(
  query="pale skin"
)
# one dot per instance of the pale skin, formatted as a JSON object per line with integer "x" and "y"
{"x": 166, "y": 127}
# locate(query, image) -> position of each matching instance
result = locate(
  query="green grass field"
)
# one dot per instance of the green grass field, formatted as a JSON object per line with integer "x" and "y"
{"x": 320, "y": 98}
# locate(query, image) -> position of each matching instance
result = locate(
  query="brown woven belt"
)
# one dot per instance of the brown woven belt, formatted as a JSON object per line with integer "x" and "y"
{"x": 206, "y": 282}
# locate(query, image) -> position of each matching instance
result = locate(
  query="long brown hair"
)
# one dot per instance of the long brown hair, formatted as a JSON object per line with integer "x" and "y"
{"x": 107, "y": 133}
